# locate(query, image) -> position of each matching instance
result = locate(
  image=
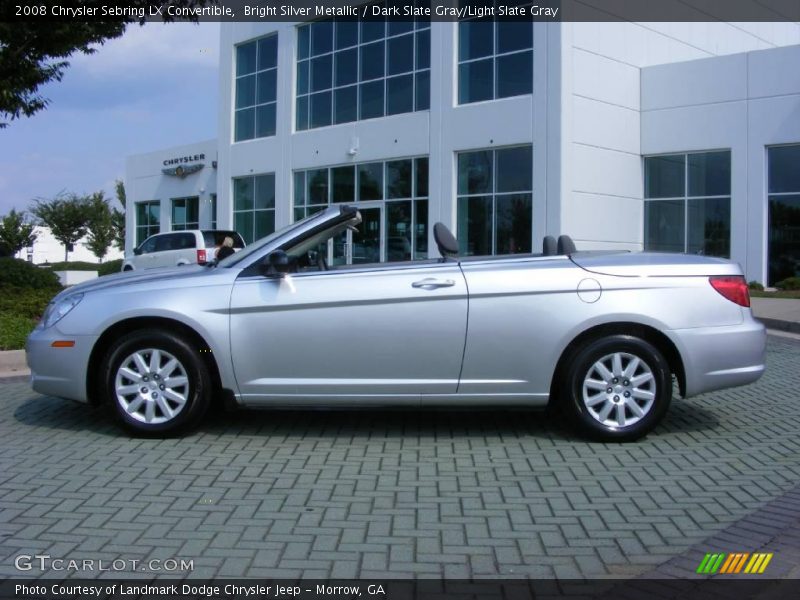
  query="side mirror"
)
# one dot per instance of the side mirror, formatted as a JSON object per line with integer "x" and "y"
{"x": 277, "y": 264}
{"x": 137, "y": 251}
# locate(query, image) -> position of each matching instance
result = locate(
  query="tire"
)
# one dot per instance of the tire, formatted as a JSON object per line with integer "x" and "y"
{"x": 640, "y": 384}
{"x": 127, "y": 268}
{"x": 158, "y": 401}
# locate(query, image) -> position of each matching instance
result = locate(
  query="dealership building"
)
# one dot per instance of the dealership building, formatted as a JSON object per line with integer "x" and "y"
{"x": 664, "y": 136}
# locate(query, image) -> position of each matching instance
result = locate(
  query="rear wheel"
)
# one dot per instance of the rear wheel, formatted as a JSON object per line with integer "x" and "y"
{"x": 618, "y": 388}
{"x": 156, "y": 383}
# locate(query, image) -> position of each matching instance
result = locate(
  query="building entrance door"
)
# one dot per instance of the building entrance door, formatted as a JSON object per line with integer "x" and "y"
{"x": 362, "y": 246}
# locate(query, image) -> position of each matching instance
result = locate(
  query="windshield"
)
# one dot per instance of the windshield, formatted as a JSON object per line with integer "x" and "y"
{"x": 234, "y": 259}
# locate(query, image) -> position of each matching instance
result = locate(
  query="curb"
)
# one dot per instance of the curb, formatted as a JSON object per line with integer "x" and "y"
{"x": 778, "y": 324}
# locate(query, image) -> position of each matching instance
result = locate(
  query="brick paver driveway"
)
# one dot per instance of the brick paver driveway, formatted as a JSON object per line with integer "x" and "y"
{"x": 393, "y": 494}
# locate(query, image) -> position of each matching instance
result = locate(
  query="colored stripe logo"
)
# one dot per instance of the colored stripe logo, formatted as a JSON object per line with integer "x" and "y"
{"x": 734, "y": 563}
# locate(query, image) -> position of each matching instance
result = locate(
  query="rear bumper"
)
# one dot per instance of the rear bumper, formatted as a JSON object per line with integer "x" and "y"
{"x": 715, "y": 358}
{"x": 59, "y": 372}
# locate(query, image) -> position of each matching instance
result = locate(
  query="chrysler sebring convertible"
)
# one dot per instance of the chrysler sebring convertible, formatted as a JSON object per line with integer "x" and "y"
{"x": 600, "y": 336}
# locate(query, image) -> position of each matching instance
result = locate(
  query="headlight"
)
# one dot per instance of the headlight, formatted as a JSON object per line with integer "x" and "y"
{"x": 56, "y": 312}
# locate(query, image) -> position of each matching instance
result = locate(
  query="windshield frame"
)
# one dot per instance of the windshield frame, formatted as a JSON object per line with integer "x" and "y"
{"x": 332, "y": 215}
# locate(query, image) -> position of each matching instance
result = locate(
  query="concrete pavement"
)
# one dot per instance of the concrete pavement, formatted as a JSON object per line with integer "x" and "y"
{"x": 401, "y": 494}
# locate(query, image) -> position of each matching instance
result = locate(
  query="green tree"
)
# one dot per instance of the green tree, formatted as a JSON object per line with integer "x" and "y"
{"x": 16, "y": 233}
{"x": 101, "y": 229}
{"x": 33, "y": 53}
{"x": 67, "y": 216}
{"x": 118, "y": 216}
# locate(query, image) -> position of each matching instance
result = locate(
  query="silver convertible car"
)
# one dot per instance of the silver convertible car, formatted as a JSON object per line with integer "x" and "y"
{"x": 599, "y": 336}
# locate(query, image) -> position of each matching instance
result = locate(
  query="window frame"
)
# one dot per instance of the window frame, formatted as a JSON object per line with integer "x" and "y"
{"x": 687, "y": 197}
{"x": 147, "y": 226}
{"x": 494, "y": 56}
{"x": 493, "y": 193}
{"x": 253, "y": 209}
{"x": 255, "y": 74}
{"x": 769, "y": 197}
{"x": 184, "y": 226}
{"x": 302, "y": 117}
{"x": 384, "y": 201}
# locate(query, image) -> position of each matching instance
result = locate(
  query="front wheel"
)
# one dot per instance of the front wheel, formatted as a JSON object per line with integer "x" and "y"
{"x": 156, "y": 382}
{"x": 618, "y": 388}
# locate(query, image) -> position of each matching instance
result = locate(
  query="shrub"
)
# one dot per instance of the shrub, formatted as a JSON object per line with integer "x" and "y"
{"x": 755, "y": 286}
{"x": 22, "y": 274}
{"x": 790, "y": 283}
{"x": 110, "y": 267}
{"x": 13, "y": 331}
{"x": 24, "y": 302}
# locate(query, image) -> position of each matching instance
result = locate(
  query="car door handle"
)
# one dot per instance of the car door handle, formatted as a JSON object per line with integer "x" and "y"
{"x": 429, "y": 283}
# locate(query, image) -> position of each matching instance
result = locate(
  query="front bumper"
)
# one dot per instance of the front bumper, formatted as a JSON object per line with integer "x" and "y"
{"x": 715, "y": 358}
{"x": 60, "y": 372}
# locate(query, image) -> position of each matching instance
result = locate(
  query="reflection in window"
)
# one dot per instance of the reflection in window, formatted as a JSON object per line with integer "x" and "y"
{"x": 256, "y": 88}
{"x": 349, "y": 71}
{"x": 687, "y": 203}
{"x": 495, "y": 59}
{"x": 495, "y": 201}
{"x": 400, "y": 187}
{"x": 784, "y": 213}
{"x": 254, "y": 206}
{"x": 185, "y": 213}
{"x": 147, "y": 219}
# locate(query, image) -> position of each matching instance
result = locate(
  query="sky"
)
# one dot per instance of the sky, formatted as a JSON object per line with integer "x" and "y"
{"x": 154, "y": 87}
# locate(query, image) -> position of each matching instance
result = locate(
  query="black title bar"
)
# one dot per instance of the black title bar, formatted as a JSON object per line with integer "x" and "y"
{"x": 434, "y": 10}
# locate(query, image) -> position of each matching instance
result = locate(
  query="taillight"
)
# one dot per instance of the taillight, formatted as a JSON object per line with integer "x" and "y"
{"x": 201, "y": 257}
{"x": 733, "y": 287}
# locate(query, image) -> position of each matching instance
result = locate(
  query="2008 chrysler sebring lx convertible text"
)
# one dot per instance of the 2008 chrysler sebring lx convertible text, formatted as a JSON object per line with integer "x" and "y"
{"x": 599, "y": 335}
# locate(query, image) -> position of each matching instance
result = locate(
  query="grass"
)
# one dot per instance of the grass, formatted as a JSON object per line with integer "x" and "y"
{"x": 793, "y": 294}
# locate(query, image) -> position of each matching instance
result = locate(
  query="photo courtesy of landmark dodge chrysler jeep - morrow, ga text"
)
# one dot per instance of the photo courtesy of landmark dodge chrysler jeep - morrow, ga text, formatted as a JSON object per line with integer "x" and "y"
{"x": 600, "y": 335}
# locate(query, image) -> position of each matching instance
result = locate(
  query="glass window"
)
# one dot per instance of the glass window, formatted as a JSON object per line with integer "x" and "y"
{"x": 366, "y": 70}
{"x": 687, "y": 203}
{"x": 400, "y": 55}
{"x": 495, "y": 201}
{"x": 213, "y": 211}
{"x": 372, "y": 99}
{"x": 709, "y": 174}
{"x": 664, "y": 176}
{"x": 185, "y": 213}
{"x": 400, "y": 94}
{"x": 784, "y": 169}
{"x": 370, "y": 181}
{"x": 402, "y": 204}
{"x": 346, "y": 104}
{"x": 783, "y": 164}
{"x": 495, "y": 59}
{"x": 256, "y": 88}
{"x": 398, "y": 179}
{"x": 254, "y": 206}
{"x": 343, "y": 182}
{"x": 147, "y": 219}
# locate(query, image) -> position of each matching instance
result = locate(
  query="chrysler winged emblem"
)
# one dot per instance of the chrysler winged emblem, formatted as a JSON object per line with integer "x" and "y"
{"x": 182, "y": 171}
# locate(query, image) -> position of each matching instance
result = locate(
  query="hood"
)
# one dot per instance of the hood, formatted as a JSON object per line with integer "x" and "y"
{"x": 653, "y": 264}
{"x": 127, "y": 278}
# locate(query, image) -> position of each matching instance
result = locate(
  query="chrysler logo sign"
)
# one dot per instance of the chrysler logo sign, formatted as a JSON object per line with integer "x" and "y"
{"x": 180, "y": 165}
{"x": 182, "y": 171}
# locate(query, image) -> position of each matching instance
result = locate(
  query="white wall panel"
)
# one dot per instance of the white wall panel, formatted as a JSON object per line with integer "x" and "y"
{"x": 606, "y": 125}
